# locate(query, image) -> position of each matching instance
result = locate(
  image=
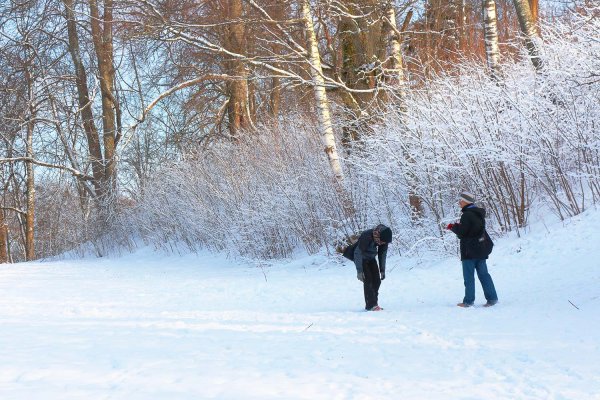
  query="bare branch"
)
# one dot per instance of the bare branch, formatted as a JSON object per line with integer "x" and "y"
{"x": 73, "y": 171}
{"x": 14, "y": 209}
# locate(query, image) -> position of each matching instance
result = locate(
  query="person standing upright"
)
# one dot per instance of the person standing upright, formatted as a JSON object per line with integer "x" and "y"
{"x": 372, "y": 243}
{"x": 470, "y": 230}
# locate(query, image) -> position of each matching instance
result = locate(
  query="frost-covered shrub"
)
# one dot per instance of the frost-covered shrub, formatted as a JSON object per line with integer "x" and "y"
{"x": 262, "y": 196}
{"x": 532, "y": 139}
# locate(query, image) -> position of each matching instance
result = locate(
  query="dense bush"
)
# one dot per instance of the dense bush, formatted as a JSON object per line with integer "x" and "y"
{"x": 531, "y": 140}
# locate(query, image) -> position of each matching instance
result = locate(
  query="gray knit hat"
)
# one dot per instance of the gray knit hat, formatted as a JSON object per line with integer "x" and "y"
{"x": 467, "y": 197}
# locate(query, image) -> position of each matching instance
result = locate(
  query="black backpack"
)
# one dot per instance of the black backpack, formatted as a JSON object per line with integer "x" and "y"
{"x": 481, "y": 246}
{"x": 349, "y": 251}
{"x": 485, "y": 243}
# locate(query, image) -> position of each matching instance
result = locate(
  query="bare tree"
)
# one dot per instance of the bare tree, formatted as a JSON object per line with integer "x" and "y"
{"x": 30, "y": 126}
{"x": 533, "y": 41}
{"x": 238, "y": 104}
{"x": 21, "y": 50}
{"x": 102, "y": 152}
{"x": 490, "y": 27}
{"x": 85, "y": 102}
{"x": 3, "y": 239}
{"x": 102, "y": 38}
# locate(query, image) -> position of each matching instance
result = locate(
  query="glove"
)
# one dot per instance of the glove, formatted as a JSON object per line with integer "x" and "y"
{"x": 450, "y": 226}
{"x": 382, "y": 275}
{"x": 360, "y": 276}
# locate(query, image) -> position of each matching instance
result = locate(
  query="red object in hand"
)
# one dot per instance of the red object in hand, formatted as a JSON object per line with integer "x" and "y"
{"x": 449, "y": 226}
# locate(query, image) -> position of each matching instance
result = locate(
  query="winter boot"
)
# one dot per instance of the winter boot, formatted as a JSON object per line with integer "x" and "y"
{"x": 465, "y": 305}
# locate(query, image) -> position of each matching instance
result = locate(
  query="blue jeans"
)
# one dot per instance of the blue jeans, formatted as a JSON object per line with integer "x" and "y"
{"x": 469, "y": 268}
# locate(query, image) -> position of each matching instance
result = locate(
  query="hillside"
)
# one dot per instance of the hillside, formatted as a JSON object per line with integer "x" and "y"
{"x": 150, "y": 326}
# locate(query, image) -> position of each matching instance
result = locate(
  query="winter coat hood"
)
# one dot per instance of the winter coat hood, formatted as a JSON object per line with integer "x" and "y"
{"x": 472, "y": 208}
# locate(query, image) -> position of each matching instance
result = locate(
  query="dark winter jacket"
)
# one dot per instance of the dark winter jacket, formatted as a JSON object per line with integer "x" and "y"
{"x": 469, "y": 230}
{"x": 366, "y": 249}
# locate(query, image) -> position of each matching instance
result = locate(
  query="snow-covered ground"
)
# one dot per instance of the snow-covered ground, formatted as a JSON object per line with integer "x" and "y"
{"x": 148, "y": 326}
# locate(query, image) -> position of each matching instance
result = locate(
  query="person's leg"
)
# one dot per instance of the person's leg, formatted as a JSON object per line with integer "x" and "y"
{"x": 376, "y": 282}
{"x": 371, "y": 285}
{"x": 367, "y": 286}
{"x": 367, "y": 291}
{"x": 469, "y": 278}
{"x": 489, "y": 290}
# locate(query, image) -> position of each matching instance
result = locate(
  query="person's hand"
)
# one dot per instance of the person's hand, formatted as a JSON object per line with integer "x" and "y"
{"x": 382, "y": 275}
{"x": 450, "y": 226}
{"x": 360, "y": 276}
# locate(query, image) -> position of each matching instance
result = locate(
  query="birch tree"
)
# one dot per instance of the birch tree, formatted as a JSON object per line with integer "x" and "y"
{"x": 398, "y": 86}
{"x": 395, "y": 72}
{"x": 322, "y": 105}
{"x": 366, "y": 55}
{"x": 492, "y": 50}
{"x": 298, "y": 64}
{"x": 533, "y": 41}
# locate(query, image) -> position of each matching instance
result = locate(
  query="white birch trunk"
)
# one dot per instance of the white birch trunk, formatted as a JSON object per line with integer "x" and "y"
{"x": 323, "y": 112}
{"x": 533, "y": 41}
{"x": 490, "y": 28}
{"x": 398, "y": 78}
{"x": 399, "y": 89}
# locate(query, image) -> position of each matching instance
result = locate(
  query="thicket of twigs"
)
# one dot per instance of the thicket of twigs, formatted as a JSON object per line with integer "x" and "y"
{"x": 528, "y": 141}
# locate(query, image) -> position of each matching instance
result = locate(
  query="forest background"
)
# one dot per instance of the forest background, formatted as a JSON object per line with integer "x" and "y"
{"x": 266, "y": 127}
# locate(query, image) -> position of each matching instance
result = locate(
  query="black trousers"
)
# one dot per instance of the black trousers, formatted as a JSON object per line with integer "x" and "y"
{"x": 371, "y": 283}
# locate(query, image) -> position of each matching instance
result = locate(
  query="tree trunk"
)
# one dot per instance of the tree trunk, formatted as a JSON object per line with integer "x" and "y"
{"x": 535, "y": 10}
{"x": 323, "y": 112}
{"x": 351, "y": 50}
{"x": 396, "y": 70}
{"x": 398, "y": 88}
{"x": 275, "y": 96}
{"x": 277, "y": 14}
{"x": 238, "y": 107}
{"x": 30, "y": 218}
{"x": 3, "y": 239}
{"x": 102, "y": 38}
{"x": 533, "y": 42}
{"x": 463, "y": 31}
{"x": 84, "y": 101}
{"x": 29, "y": 171}
{"x": 490, "y": 28}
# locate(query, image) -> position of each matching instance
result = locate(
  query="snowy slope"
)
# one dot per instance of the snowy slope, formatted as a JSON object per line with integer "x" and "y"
{"x": 150, "y": 326}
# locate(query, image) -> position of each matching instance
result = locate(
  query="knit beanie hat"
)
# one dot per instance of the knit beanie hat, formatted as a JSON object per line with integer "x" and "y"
{"x": 467, "y": 197}
{"x": 385, "y": 234}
